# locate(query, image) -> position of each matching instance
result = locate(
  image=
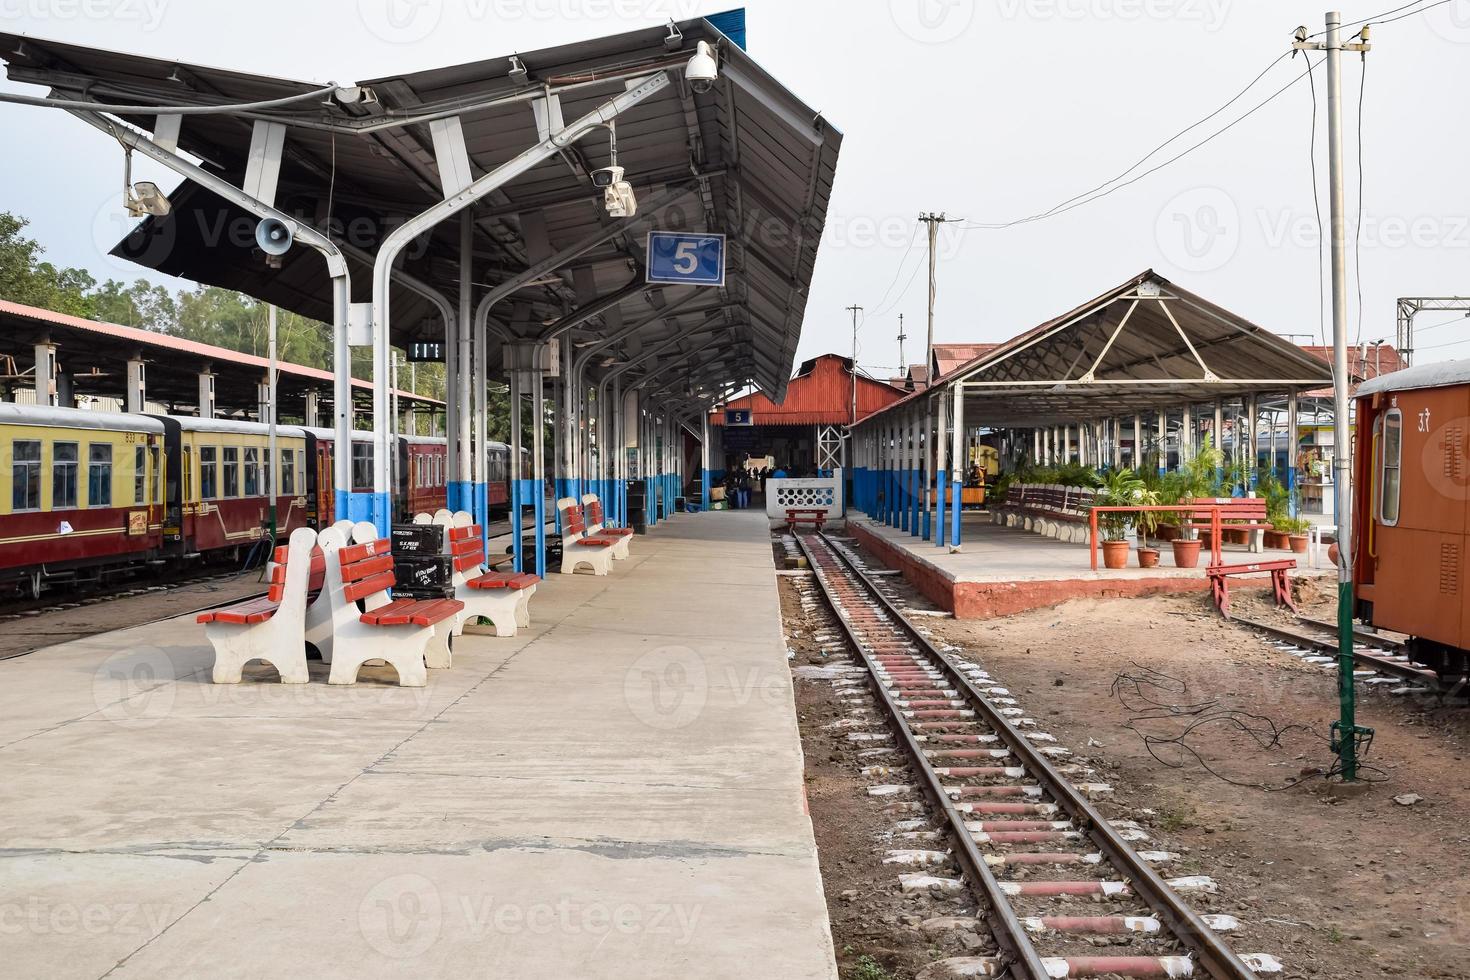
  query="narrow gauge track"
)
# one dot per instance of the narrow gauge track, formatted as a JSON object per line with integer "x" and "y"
{"x": 1013, "y": 818}
{"x": 1382, "y": 660}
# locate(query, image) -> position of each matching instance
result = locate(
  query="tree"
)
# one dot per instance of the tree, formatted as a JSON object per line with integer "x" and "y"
{"x": 26, "y": 279}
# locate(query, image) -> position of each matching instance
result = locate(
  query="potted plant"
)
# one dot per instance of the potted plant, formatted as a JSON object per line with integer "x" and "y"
{"x": 1146, "y": 522}
{"x": 1198, "y": 477}
{"x": 1120, "y": 488}
{"x": 1296, "y": 529}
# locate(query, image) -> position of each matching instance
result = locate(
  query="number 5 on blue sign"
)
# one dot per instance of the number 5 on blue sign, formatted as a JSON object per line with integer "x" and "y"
{"x": 687, "y": 258}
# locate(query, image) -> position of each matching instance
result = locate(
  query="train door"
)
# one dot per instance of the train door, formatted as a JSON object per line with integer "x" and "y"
{"x": 326, "y": 485}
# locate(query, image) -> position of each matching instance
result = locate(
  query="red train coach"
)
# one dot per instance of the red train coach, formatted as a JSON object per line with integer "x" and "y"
{"x": 1412, "y": 510}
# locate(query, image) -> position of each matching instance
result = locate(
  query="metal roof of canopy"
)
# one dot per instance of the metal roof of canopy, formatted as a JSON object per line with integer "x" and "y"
{"x": 747, "y": 159}
{"x": 1144, "y": 344}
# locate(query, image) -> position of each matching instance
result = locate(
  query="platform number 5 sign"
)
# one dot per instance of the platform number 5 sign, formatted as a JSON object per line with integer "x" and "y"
{"x": 686, "y": 258}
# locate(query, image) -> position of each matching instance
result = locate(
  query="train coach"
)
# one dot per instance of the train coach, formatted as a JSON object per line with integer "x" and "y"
{"x": 92, "y": 494}
{"x": 1411, "y": 512}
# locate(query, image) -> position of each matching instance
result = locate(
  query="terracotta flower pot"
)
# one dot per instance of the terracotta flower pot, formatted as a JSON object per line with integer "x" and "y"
{"x": 1298, "y": 543}
{"x": 1332, "y": 553}
{"x": 1148, "y": 557}
{"x": 1277, "y": 539}
{"x": 1186, "y": 553}
{"x": 1115, "y": 554}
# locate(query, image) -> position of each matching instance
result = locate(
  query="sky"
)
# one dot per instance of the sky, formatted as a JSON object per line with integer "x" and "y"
{"x": 986, "y": 112}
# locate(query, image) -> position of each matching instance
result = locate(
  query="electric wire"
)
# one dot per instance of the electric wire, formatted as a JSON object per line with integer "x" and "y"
{"x": 899, "y": 271}
{"x": 1086, "y": 199}
{"x": 1384, "y": 16}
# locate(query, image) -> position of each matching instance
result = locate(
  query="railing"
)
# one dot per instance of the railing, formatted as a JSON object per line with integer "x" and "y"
{"x": 1216, "y": 557}
{"x": 806, "y": 493}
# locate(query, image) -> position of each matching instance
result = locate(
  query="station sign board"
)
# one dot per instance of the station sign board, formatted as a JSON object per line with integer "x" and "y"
{"x": 686, "y": 258}
{"x": 738, "y": 416}
{"x": 425, "y": 351}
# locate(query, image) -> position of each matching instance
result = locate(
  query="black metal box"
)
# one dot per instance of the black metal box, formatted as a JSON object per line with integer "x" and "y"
{"x": 424, "y": 577}
{"x": 417, "y": 539}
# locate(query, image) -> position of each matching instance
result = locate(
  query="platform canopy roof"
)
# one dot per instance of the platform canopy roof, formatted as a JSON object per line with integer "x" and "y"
{"x": 95, "y": 356}
{"x": 747, "y": 159}
{"x": 1140, "y": 346}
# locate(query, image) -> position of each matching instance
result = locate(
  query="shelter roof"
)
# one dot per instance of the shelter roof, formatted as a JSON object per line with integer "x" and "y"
{"x": 747, "y": 159}
{"x": 1142, "y": 344}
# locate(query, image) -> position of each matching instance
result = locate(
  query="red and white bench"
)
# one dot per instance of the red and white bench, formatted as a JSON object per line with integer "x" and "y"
{"x": 504, "y": 599}
{"x": 400, "y": 632}
{"x": 271, "y": 629}
{"x": 596, "y": 527}
{"x": 579, "y": 548}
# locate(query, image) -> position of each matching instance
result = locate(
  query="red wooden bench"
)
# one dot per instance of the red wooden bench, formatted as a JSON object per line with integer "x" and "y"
{"x": 504, "y": 598}
{"x": 597, "y": 527}
{"x": 1235, "y": 514}
{"x": 394, "y": 630}
{"x": 580, "y": 548}
{"x": 272, "y": 628}
{"x": 1280, "y": 581}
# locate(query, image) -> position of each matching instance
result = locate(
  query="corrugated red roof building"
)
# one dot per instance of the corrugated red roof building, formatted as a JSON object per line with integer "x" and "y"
{"x": 819, "y": 394}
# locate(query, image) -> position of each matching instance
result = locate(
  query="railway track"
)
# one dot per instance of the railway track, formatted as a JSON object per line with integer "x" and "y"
{"x": 1380, "y": 660}
{"x": 1025, "y": 838}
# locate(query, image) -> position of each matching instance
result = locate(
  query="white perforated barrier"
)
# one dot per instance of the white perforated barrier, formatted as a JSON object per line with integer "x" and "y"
{"x": 806, "y": 493}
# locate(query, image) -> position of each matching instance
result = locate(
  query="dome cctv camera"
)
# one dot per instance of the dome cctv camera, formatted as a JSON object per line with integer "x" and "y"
{"x": 702, "y": 69}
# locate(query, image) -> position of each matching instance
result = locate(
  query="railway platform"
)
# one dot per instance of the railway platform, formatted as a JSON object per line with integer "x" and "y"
{"x": 1000, "y": 571}
{"x": 617, "y": 791}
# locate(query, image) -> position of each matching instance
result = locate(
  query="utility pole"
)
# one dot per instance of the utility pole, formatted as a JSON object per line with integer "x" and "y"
{"x": 903, "y": 365}
{"x": 933, "y": 221}
{"x": 272, "y": 458}
{"x": 931, "y": 453}
{"x": 854, "y": 310}
{"x": 1345, "y": 730}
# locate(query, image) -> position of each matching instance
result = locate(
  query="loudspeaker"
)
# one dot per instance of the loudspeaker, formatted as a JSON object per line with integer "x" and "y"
{"x": 274, "y": 236}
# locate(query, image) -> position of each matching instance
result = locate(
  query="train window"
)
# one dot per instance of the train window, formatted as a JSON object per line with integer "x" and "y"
{"x": 157, "y": 472}
{"x": 99, "y": 474}
{"x": 140, "y": 475}
{"x": 188, "y": 472}
{"x": 63, "y": 475}
{"x": 288, "y": 473}
{"x": 230, "y": 485}
{"x": 1388, "y": 480}
{"x": 208, "y": 485}
{"x": 252, "y": 472}
{"x": 362, "y": 466}
{"x": 25, "y": 474}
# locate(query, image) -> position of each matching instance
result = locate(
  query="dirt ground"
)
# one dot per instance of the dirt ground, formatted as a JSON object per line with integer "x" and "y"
{"x": 1334, "y": 885}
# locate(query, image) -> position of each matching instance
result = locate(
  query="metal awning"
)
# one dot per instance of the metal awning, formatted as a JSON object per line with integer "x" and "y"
{"x": 747, "y": 159}
{"x": 1141, "y": 346}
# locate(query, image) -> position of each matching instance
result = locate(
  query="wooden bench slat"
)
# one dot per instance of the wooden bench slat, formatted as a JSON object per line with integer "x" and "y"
{"x": 370, "y": 586}
{"x": 473, "y": 560}
{"x": 366, "y": 568}
{"x": 357, "y": 552}
{"x": 243, "y": 613}
{"x": 414, "y": 612}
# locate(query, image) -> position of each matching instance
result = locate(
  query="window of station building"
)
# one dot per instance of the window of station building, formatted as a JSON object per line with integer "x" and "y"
{"x": 208, "y": 482}
{"x": 362, "y": 466}
{"x": 25, "y": 474}
{"x": 63, "y": 475}
{"x": 140, "y": 475}
{"x": 252, "y": 471}
{"x": 1388, "y": 481}
{"x": 230, "y": 485}
{"x": 99, "y": 474}
{"x": 288, "y": 472}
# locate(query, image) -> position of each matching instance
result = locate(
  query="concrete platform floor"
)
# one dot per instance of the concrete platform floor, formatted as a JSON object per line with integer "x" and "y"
{"x": 1001, "y": 570}
{"x": 616, "y": 792}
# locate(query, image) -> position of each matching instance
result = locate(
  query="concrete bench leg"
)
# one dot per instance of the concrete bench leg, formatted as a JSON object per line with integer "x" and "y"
{"x": 500, "y": 606}
{"x": 1258, "y": 542}
{"x": 597, "y": 559}
{"x": 437, "y": 651}
{"x": 236, "y": 645}
{"x": 401, "y": 647}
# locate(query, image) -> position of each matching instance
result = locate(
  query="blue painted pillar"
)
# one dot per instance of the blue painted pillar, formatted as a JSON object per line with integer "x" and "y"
{"x": 539, "y": 510}
{"x": 954, "y": 511}
{"x": 941, "y": 487}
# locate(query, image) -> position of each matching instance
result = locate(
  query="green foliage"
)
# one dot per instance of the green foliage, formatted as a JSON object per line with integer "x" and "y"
{"x": 1292, "y": 525}
{"x": 1122, "y": 488}
{"x": 1270, "y": 489}
{"x": 867, "y": 968}
{"x": 996, "y": 492}
{"x": 1066, "y": 475}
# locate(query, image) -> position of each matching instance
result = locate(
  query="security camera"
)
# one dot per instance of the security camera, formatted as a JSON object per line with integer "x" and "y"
{"x": 606, "y": 176}
{"x": 619, "y": 200}
{"x": 702, "y": 69}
